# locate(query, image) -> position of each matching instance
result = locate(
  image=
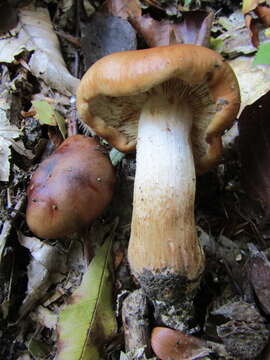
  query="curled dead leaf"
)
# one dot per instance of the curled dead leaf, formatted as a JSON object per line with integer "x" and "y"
{"x": 241, "y": 328}
{"x": 263, "y": 13}
{"x": 259, "y": 276}
{"x": 253, "y": 23}
{"x": 193, "y": 29}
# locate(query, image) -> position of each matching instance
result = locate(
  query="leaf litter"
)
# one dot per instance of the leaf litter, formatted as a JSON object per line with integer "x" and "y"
{"x": 36, "y": 35}
{"x": 228, "y": 223}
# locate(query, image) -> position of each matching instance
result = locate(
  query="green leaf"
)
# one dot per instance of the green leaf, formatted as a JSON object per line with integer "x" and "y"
{"x": 267, "y": 32}
{"x": 46, "y": 114}
{"x": 249, "y": 5}
{"x": 38, "y": 349}
{"x": 60, "y": 121}
{"x": 263, "y": 54}
{"x": 89, "y": 322}
{"x": 216, "y": 44}
{"x": 187, "y": 3}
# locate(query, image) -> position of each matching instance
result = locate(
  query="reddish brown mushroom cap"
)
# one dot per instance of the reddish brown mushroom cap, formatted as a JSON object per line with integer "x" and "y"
{"x": 70, "y": 188}
{"x": 113, "y": 91}
{"x": 170, "y": 344}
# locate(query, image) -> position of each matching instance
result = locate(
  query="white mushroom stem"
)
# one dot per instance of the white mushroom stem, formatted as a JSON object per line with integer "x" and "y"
{"x": 163, "y": 233}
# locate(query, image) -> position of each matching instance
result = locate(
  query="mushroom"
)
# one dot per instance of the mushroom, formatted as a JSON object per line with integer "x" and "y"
{"x": 69, "y": 189}
{"x": 169, "y": 344}
{"x": 173, "y": 102}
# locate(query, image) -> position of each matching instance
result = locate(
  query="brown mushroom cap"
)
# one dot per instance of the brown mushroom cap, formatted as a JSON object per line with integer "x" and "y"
{"x": 113, "y": 91}
{"x": 70, "y": 188}
{"x": 170, "y": 344}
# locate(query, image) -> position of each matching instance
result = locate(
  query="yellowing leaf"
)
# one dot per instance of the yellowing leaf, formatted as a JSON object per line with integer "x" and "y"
{"x": 249, "y": 5}
{"x": 46, "y": 114}
{"x": 267, "y": 32}
{"x": 89, "y": 322}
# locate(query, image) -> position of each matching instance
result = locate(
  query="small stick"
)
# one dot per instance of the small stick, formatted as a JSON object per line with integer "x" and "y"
{"x": 135, "y": 322}
{"x": 8, "y": 224}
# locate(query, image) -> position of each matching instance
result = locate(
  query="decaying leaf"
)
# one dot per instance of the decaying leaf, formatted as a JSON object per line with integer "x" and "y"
{"x": 193, "y": 29}
{"x": 253, "y": 30}
{"x": 105, "y": 34}
{"x": 38, "y": 349}
{"x": 243, "y": 330}
{"x": 36, "y": 35}
{"x": 254, "y": 147}
{"x": 46, "y": 114}
{"x": 234, "y": 39}
{"x": 88, "y": 322}
{"x": 7, "y": 133}
{"x": 135, "y": 317}
{"x": 138, "y": 354}
{"x": 261, "y": 10}
{"x": 124, "y": 8}
{"x": 47, "y": 267}
{"x": 254, "y": 81}
{"x": 44, "y": 317}
{"x": 259, "y": 276}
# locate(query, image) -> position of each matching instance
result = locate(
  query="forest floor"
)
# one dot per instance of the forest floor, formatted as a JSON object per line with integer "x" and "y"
{"x": 56, "y": 42}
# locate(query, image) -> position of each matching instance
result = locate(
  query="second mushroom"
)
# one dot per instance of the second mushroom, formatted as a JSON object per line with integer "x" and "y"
{"x": 173, "y": 103}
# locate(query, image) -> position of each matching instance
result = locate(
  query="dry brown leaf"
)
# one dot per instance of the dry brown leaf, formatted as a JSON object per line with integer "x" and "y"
{"x": 252, "y": 29}
{"x": 263, "y": 13}
{"x": 193, "y": 29}
{"x": 8, "y": 130}
{"x": 47, "y": 267}
{"x": 252, "y": 24}
{"x": 259, "y": 276}
{"x": 254, "y": 81}
{"x": 154, "y": 3}
{"x": 236, "y": 323}
{"x": 155, "y": 33}
{"x": 124, "y": 8}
